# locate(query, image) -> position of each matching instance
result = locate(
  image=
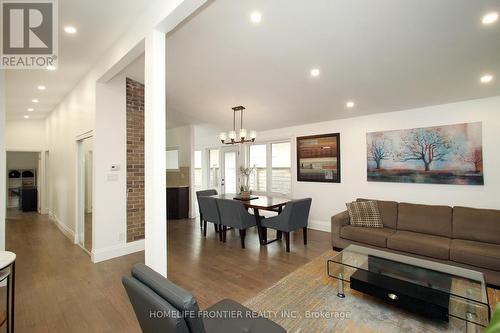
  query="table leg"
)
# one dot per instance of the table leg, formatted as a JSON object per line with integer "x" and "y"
{"x": 7, "y": 308}
{"x": 259, "y": 226}
{"x": 13, "y": 294}
{"x": 340, "y": 290}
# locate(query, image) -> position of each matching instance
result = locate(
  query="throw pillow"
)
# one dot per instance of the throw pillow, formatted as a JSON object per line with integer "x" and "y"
{"x": 364, "y": 214}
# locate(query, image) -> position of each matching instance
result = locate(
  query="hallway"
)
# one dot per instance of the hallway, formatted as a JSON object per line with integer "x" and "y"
{"x": 58, "y": 289}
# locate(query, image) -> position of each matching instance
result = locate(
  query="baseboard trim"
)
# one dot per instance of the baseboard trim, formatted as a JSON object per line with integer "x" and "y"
{"x": 116, "y": 251}
{"x": 319, "y": 225}
{"x": 62, "y": 227}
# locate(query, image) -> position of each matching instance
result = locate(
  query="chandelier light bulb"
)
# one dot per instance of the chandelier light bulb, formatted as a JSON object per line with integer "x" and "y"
{"x": 243, "y": 133}
{"x": 232, "y": 135}
{"x": 223, "y": 136}
{"x": 253, "y": 134}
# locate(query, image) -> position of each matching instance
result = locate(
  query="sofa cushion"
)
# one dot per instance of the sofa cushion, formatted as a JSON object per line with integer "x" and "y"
{"x": 372, "y": 236}
{"x": 477, "y": 254}
{"x": 432, "y": 220}
{"x": 388, "y": 211}
{"x": 425, "y": 245}
{"x": 364, "y": 214}
{"x": 482, "y": 225}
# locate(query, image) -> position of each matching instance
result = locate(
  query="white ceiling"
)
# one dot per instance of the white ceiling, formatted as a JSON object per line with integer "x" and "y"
{"x": 386, "y": 55}
{"x": 100, "y": 24}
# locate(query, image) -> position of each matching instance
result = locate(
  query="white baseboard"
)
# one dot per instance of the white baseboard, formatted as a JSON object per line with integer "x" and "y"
{"x": 64, "y": 228}
{"x": 117, "y": 250}
{"x": 319, "y": 225}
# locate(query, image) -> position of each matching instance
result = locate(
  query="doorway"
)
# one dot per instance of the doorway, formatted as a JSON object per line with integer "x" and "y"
{"x": 85, "y": 192}
{"x": 23, "y": 184}
{"x": 229, "y": 164}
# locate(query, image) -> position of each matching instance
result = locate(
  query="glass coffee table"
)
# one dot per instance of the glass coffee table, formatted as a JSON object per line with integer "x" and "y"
{"x": 431, "y": 289}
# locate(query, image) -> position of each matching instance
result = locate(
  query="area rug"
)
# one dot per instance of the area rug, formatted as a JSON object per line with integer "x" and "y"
{"x": 306, "y": 301}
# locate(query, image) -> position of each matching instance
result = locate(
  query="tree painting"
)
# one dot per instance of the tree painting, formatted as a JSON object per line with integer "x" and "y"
{"x": 475, "y": 158}
{"x": 425, "y": 145}
{"x": 379, "y": 149}
{"x": 451, "y": 154}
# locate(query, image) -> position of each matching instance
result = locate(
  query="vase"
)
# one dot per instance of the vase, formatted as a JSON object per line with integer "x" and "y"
{"x": 245, "y": 194}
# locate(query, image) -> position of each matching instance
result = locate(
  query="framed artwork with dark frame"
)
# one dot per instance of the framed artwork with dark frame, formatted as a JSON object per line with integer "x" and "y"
{"x": 318, "y": 158}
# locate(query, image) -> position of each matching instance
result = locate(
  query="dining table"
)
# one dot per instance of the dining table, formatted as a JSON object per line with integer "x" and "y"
{"x": 258, "y": 203}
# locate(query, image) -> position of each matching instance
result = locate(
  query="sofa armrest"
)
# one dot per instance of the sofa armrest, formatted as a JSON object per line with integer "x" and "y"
{"x": 338, "y": 221}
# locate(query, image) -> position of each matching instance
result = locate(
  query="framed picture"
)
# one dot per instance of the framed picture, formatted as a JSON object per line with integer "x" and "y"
{"x": 451, "y": 154}
{"x": 318, "y": 158}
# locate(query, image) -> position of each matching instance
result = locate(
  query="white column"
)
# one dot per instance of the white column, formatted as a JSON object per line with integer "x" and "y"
{"x": 155, "y": 147}
{"x": 3, "y": 172}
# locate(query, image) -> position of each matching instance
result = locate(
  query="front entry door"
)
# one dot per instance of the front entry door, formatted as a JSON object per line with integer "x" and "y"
{"x": 230, "y": 161}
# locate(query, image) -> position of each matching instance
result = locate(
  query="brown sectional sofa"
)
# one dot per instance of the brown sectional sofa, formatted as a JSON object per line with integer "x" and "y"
{"x": 460, "y": 236}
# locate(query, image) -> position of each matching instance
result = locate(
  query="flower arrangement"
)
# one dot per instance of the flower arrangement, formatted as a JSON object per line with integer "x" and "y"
{"x": 245, "y": 187}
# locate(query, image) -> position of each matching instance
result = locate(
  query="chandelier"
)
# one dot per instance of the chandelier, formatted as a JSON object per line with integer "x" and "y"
{"x": 242, "y": 136}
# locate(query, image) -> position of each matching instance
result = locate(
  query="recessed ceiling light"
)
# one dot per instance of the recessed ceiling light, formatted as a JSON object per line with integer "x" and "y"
{"x": 490, "y": 18}
{"x": 486, "y": 78}
{"x": 31, "y": 109}
{"x": 315, "y": 72}
{"x": 26, "y": 117}
{"x": 42, "y": 87}
{"x": 35, "y": 100}
{"x": 256, "y": 17}
{"x": 349, "y": 104}
{"x": 51, "y": 68}
{"x": 70, "y": 30}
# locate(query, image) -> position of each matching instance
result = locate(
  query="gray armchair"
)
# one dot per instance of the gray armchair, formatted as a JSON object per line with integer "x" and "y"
{"x": 162, "y": 306}
{"x": 233, "y": 214}
{"x": 294, "y": 216}
{"x": 208, "y": 210}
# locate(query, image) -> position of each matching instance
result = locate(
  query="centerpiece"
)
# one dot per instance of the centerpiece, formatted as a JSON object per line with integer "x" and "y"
{"x": 245, "y": 191}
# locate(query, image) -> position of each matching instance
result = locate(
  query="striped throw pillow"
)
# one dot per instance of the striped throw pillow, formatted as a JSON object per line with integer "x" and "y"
{"x": 364, "y": 214}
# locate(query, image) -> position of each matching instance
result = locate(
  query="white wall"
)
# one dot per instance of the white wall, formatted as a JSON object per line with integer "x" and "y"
{"x": 181, "y": 137}
{"x": 22, "y": 160}
{"x": 25, "y": 135}
{"x": 110, "y": 197}
{"x": 3, "y": 171}
{"x": 329, "y": 199}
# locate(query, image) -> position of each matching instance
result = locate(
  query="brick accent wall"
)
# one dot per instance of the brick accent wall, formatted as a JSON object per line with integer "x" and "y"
{"x": 135, "y": 160}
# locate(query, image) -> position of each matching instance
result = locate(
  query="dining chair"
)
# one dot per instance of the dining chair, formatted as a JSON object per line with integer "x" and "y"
{"x": 233, "y": 214}
{"x": 208, "y": 212}
{"x": 294, "y": 216}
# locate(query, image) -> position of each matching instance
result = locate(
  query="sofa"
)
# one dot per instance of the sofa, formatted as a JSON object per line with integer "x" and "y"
{"x": 460, "y": 236}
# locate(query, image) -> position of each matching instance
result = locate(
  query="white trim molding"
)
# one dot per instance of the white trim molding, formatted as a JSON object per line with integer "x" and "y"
{"x": 117, "y": 250}
{"x": 319, "y": 225}
{"x": 64, "y": 228}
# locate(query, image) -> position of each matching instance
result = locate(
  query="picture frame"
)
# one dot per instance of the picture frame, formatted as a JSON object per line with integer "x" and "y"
{"x": 318, "y": 158}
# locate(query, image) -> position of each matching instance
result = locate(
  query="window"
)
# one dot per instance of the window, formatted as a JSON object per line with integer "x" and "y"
{"x": 281, "y": 173}
{"x": 258, "y": 159}
{"x": 172, "y": 156}
{"x": 198, "y": 173}
{"x": 273, "y": 163}
{"x": 213, "y": 174}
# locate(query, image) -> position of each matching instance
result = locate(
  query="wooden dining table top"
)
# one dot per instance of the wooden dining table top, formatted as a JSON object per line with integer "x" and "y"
{"x": 261, "y": 202}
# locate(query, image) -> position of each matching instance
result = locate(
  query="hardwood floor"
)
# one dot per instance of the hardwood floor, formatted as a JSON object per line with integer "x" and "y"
{"x": 58, "y": 289}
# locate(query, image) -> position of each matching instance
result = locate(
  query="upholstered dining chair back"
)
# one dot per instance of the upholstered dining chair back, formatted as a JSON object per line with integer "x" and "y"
{"x": 208, "y": 209}
{"x": 233, "y": 214}
{"x": 295, "y": 215}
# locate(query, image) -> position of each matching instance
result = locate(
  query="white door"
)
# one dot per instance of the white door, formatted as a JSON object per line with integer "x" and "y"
{"x": 230, "y": 161}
